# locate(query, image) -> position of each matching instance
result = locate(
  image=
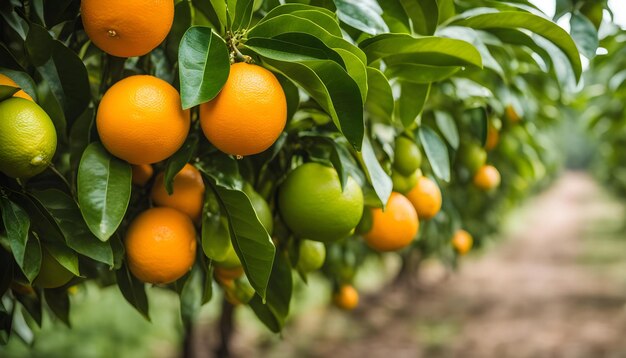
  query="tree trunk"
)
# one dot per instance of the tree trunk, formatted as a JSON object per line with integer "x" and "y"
{"x": 226, "y": 330}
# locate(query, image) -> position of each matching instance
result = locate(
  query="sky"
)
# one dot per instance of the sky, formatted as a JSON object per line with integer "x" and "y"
{"x": 617, "y": 6}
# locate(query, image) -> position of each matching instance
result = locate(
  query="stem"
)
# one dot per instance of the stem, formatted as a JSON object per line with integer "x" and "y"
{"x": 226, "y": 329}
{"x": 188, "y": 341}
{"x": 58, "y": 173}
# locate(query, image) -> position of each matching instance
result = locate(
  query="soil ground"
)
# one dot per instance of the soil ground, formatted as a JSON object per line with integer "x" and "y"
{"x": 555, "y": 286}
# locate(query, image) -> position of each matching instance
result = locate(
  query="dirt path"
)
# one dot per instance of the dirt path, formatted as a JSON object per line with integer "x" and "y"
{"x": 529, "y": 296}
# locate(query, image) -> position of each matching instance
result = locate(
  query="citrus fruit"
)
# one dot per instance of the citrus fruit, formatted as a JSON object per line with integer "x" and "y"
{"x": 395, "y": 227}
{"x": 487, "y": 177}
{"x": 230, "y": 259}
{"x": 238, "y": 291}
{"x": 403, "y": 184}
{"x": 472, "y": 156}
{"x": 51, "y": 274}
{"x": 346, "y": 298}
{"x": 462, "y": 241}
{"x": 188, "y": 194}
{"x": 407, "y": 156}
{"x": 261, "y": 208}
{"x": 126, "y": 28}
{"x": 493, "y": 137}
{"x": 511, "y": 114}
{"x": 28, "y": 139}
{"x": 140, "y": 120}
{"x": 160, "y": 245}
{"x": 365, "y": 225}
{"x": 142, "y": 173}
{"x": 7, "y": 81}
{"x": 248, "y": 114}
{"x": 316, "y": 207}
{"x": 311, "y": 255}
{"x": 426, "y": 198}
{"x": 224, "y": 274}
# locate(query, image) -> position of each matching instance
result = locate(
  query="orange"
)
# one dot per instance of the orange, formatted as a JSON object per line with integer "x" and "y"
{"x": 160, "y": 245}
{"x": 462, "y": 241}
{"x": 140, "y": 120}
{"x": 487, "y": 177}
{"x": 126, "y": 28}
{"x": 347, "y": 298}
{"x": 249, "y": 113}
{"x": 7, "y": 81}
{"x": 224, "y": 274}
{"x": 426, "y": 198}
{"x": 188, "y": 194}
{"x": 142, "y": 173}
{"x": 511, "y": 114}
{"x": 395, "y": 227}
{"x": 493, "y": 137}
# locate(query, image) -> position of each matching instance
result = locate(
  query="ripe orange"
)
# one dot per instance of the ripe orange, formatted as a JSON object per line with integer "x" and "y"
{"x": 493, "y": 137}
{"x": 142, "y": 173}
{"x": 188, "y": 194}
{"x": 249, "y": 113}
{"x": 140, "y": 120}
{"x": 395, "y": 227}
{"x": 225, "y": 274}
{"x": 7, "y": 81}
{"x": 127, "y": 28}
{"x": 487, "y": 177}
{"x": 426, "y": 198}
{"x": 462, "y": 241}
{"x": 160, "y": 245}
{"x": 347, "y": 298}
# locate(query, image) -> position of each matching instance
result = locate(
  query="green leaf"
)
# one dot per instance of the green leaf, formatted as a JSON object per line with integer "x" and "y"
{"x": 6, "y": 273}
{"x": 291, "y": 23}
{"x": 17, "y": 226}
{"x": 333, "y": 89}
{"x": 133, "y": 290}
{"x": 379, "y": 101}
{"x": 276, "y": 308}
{"x": 584, "y": 34}
{"x": 58, "y": 11}
{"x": 39, "y": 44}
{"x": 423, "y": 74}
{"x": 251, "y": 241}
{"x": 7, "y": 92}
{"x": 376, "y": 175}
{"x": 424, "y": 15}
{"x": 204, "y": 66}
{"x": 6, "y": 322}
{"x": 178, "y": 160}
{"x": 214, "y": 11}
{"x": 534, "y": 23}
{"x": 293, "y": 47}
{"x": 356, "y": 69}
{"x": 429, "y": 50}
{"x": 67, "y": 77}
{"x": 191, "y": 296}
{"x": 104, "y": 187}
{"x": 411, "y": 102}
{"x": 446, "y": 10}
{"x": 80, "y": 137}
{"x": 59, "y": 303}
{"x": 291, "y": 8}
{"x": 242, "y": 15}
{"x": 322, "y": 17}
{"x": 65, "y": 256}
{"x": 363, "y": 15}
{"x": 23, "y": 80}
{"x": 448, "y": 128}
{"x": 65, "y": 213}
{"x": 436, "y": 152}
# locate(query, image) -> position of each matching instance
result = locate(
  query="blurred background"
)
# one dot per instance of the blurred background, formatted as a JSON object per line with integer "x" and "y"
{"x": 551, "y": 282}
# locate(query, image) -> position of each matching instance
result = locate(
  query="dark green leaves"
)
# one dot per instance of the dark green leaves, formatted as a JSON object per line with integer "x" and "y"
{"x": 133, "y": 290}
{"x": 275, "y": 310}
{"x": 178, "y": 160}
{"x": 375, "y": 173}
{"x": 17, "y": 225}
{"x": 104, "y": 186}
{"x": 534, "y": 23}
{"x": 423, "y": 14}
{"x": 204, "y": 65}
{"x": 7, "y": 92}
{"x": 436, "y": 152}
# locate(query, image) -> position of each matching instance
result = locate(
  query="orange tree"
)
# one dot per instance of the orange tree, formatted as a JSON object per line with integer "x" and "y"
{"x": 268, "y": 126}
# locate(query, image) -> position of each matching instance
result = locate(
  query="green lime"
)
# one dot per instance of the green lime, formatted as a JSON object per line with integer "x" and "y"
{"x": 314, "y": 206}
{"x": 28, "y": 139}
{"x": 407, "y": 156}
{"x": 312, "y": 255}
{"x": 231, "y": 260}
{"x": 472, "y": 156}
{"x": 261, "y": 207}
{"x": 51, "y": 274}
{"x": 403, "y": 184}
